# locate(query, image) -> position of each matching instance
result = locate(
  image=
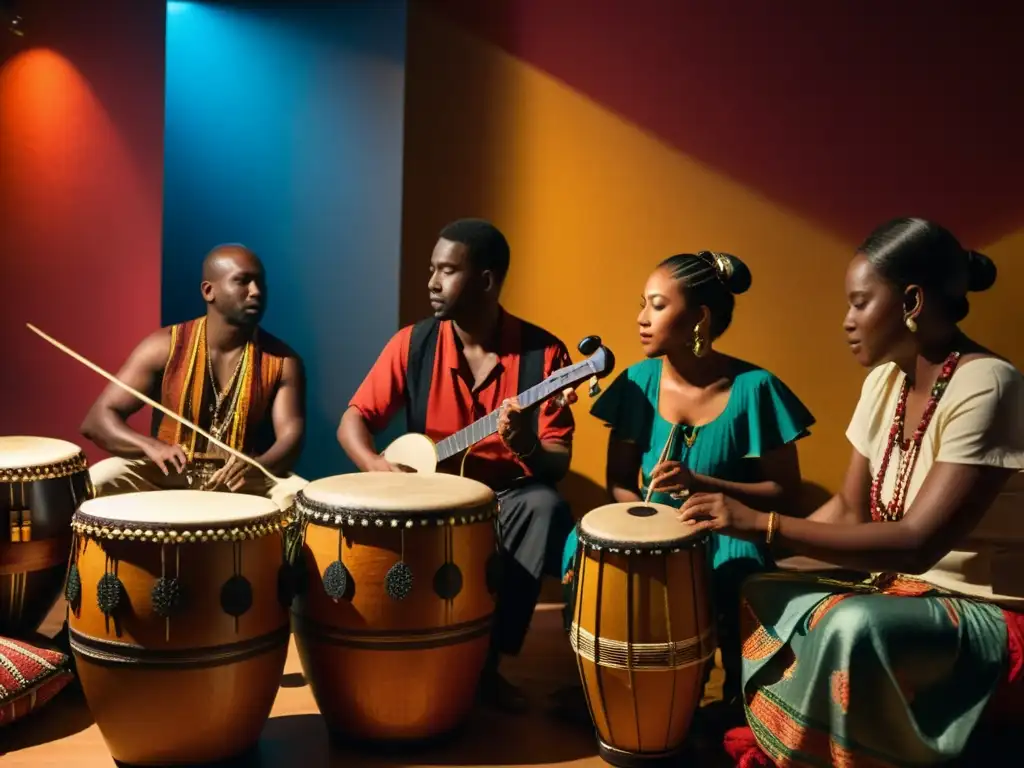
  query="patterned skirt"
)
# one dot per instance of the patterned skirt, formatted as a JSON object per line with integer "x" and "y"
{"x": 889, "y": 672}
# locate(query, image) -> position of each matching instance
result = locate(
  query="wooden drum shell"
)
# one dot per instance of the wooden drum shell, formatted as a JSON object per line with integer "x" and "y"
{"x": 625, "y": 598}
{"x": 392, "y": 670}
{"x": 200, "y": 688}
{"x": 36, "y": 507}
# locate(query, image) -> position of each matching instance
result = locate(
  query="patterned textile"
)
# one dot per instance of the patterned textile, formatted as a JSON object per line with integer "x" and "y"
{"x": 29, "y": 677}
{"x": 187, "y": 390}
{"x": 890, "y": 672}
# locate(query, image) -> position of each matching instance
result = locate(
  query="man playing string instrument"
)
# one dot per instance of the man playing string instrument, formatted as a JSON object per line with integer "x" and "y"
{"x": 222, "y": 373}
{"x": 452, "y": 369}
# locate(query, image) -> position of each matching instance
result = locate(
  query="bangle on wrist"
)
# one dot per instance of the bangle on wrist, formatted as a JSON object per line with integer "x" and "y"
{"x": 529, "y": 453}
{"x": 773, "y": 526}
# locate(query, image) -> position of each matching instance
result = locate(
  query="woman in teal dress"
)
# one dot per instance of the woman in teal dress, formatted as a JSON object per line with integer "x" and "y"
{"x": 728, "y": 425}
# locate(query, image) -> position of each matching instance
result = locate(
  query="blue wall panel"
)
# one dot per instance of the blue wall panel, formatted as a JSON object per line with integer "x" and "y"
{"x": 284, "y": 132}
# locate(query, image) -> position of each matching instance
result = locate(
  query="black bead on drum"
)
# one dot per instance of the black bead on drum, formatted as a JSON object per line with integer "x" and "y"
{"x": 336, "y": 580}
{"x": 492, "y": 572}
{"x": 236, "y": 596}
{"x": 108, "y": 593}
{"x": 448, "y": 581}
{"x": 166, "y": 597}
{"x": 73, "y": 587}
{"x": 398, "y": 582}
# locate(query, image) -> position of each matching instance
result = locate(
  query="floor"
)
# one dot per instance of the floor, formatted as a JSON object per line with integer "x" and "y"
{"x": 63, "y": 734}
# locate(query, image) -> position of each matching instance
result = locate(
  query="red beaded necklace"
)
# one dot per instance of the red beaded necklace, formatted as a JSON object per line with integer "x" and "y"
{"x": 908, "y": 448}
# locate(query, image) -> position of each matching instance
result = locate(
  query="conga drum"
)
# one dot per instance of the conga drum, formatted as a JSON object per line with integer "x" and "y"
{"x": 394, "y": 617}
{"x": 642, "y": 629}
{"x": 177, "y": 624}
{"x": 42, "y": 481}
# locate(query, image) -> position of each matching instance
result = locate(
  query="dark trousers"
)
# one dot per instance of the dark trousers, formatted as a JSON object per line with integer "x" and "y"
{"x": 533, "y": 523}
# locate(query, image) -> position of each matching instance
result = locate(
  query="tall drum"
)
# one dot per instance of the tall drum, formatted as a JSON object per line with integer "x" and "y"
{"x": 178, "y": 626}
{"x": 42, "y": 481}
{"x": 642, "y": 629}
{"x": 393, "y": 621}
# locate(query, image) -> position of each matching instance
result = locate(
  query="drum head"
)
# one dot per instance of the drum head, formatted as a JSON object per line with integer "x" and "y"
{"x": 177, "y": 511}
{"x": 634, "y": 527}
{"x": 396, "y": 496}
{"x": 26, "y": 452}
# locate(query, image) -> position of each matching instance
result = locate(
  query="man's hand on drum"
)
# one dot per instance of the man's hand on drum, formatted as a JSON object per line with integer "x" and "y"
{"x": 165, "y": 456}
{"x": 718, "y": 512}
{"x": 380, "y": 464}
{"x": 672, "y": 478}
{"x": 231, "y": 475}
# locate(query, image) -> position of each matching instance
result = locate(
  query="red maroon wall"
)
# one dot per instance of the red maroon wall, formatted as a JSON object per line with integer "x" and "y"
{"x": 81, "y": 166}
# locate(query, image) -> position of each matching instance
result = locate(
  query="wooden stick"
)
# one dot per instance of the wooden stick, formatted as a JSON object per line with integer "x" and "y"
{"x": 154, "y": 404}
{"x": 664, "y": 453}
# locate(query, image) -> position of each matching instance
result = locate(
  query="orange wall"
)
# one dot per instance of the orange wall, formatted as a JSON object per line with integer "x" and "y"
{"x": 590, "y": 201}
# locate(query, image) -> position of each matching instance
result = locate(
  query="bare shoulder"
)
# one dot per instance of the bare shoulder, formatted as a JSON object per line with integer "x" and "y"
{"x": 291, "y": 360}
{"x": 152, "y": 351}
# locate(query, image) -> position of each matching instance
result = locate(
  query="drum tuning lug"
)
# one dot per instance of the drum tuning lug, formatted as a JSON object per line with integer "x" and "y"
{"x": 595, "y": 387}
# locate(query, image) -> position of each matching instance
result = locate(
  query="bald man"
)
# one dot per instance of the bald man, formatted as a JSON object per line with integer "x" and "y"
{"x": 221, "y": 372}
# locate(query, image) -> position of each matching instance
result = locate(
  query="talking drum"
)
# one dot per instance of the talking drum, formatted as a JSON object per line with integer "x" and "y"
{"x": 178, "y": 621}
{"x": 394, "y": 614}
{"x": 42, "y": 481}
{"x": 642, "y": 629}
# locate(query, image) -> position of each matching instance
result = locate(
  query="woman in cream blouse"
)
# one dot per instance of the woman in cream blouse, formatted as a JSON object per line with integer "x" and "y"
{"x": 899, "y": 669}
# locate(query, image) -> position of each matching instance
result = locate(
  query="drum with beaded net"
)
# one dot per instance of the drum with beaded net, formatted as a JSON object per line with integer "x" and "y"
{"x": 42, "y": 481}
{"x": 178, "y": 621}
{"x": 642, "y": 629}
{"x": 393, "y": 616}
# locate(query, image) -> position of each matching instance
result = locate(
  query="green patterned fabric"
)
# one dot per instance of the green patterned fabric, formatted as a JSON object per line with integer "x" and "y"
{"x": 893, "y": 672}
{"x": 762, "y": 414}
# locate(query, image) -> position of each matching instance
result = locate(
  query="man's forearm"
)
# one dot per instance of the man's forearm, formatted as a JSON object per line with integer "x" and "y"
{"x": 110, "y": 431}
{"x": 356, "y": 440}
{"x": 547, "y": 461}
{"x": 283, "y": 454}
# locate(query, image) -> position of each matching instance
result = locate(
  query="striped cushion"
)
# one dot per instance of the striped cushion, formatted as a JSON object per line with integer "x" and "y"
{"x": 29, "y": 677}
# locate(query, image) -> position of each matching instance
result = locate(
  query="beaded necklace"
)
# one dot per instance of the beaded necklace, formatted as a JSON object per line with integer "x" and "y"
{"x": 881, "y": 512}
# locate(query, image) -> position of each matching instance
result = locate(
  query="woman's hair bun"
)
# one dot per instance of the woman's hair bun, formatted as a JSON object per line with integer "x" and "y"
{"x": 981, "y": 271}
{"x": 733, "y": 273}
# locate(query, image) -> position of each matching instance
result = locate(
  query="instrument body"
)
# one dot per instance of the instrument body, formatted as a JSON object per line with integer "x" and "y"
{"x": 642, "y": 629}
{"x": 42, "y": 481}
{"x": 394, "y": 617}
{"x": 421, "y": 454}
{"x": 177, "y": 622}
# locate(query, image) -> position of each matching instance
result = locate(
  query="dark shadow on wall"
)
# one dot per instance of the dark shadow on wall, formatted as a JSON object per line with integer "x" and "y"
{"x": 815, "y": 150}
{"x": 582, "y": 493}
{"x": 446, "y": 84}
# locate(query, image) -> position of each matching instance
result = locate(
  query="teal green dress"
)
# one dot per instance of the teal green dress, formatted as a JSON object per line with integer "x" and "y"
{"x": 762, "y": 414}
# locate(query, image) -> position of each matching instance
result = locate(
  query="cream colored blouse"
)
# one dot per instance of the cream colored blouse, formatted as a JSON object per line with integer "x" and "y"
{"x": 980, "y": 420}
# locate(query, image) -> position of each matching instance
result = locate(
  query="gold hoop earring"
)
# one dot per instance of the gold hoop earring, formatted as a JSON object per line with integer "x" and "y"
{"x": 911, "y": 324}
{"x": 699, "y": 344}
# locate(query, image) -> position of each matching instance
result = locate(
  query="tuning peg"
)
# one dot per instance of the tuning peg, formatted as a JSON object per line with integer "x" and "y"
{"x": 595, "y": 388}
{"x": 589, "y": 345}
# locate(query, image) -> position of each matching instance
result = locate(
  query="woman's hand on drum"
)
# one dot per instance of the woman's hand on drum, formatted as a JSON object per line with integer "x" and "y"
{"x": 166, "y": 456}
{"x": 672, "y": 478}
{"x": 718, "y": 512}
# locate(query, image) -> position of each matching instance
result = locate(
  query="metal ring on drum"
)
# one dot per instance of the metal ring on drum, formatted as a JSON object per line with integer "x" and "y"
{"x": 394, "y": 620}
{"x": 642, "y": 629}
